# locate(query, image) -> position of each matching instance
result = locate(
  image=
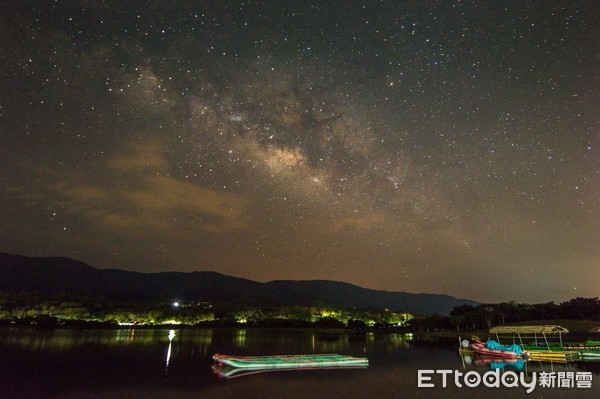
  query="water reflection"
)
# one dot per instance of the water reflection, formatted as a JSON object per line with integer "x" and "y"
{"x": 470, "y": 362}
{"x": 72, "y": 363}
{"x": 65, "y": 339}
{"x": 310, "y": 341}
{"x": 240, "y": 338}
{"x": 171, "y": 336}
{"x": 495, "y": 363}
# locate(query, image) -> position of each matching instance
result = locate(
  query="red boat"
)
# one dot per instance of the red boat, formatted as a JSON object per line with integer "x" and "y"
{"x": 480, "y": 348}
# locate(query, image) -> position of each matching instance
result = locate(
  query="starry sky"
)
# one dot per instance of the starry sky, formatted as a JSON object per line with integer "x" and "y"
{"x": 420, "y": 146}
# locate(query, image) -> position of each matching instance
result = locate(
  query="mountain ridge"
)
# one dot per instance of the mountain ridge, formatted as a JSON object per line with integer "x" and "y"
{"x": 54, "y": 275}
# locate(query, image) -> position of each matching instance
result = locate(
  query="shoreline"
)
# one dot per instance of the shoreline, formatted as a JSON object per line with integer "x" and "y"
{"x": 576, "y": 327}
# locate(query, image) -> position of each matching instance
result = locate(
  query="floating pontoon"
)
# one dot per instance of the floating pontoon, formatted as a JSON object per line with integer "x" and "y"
{"x": 290, "y": 361}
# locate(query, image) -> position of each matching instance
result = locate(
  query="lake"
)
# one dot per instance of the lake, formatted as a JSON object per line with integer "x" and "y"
{"x": 146, "y": 363}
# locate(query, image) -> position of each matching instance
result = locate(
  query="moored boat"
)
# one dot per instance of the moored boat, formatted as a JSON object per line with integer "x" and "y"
{"x": 483, "y": 349}
{"x": 542, "y": 348}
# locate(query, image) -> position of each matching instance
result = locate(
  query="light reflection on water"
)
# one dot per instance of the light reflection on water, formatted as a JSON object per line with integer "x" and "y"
{"x": 65, "y": 363}
{"x": 66, "y": 339}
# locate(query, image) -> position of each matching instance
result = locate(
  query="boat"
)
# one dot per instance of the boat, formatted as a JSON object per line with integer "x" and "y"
{"x": 562, "y": 356}
{"x": 590, "y": 355}
{"x": 588, "y": 350}
{"x": 466, "y": 351}
{"x": 543, "y": 349}
{"x": 290, "y": 361}
{"x": 481, "y": 348}
{"x": 540, "y": 333}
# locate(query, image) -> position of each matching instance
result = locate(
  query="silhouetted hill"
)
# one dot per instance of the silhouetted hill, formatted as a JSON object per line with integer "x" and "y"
{"x": 53, "y": 276}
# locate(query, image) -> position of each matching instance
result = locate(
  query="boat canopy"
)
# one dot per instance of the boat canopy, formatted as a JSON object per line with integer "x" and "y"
{"x": 548, "y": 329}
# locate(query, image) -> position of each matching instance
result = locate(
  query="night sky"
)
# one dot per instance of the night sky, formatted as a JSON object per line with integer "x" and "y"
{"x": 421, "y": 146}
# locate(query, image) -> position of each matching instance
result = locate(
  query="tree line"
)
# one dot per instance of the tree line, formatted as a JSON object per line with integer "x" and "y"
{"x": 29, "y": 308}
{"x": 32, "y": 309}
{"x": 484, "y": 316}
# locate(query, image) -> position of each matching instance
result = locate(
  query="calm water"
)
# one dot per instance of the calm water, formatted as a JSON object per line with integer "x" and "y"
{"x": 145, "y": 364}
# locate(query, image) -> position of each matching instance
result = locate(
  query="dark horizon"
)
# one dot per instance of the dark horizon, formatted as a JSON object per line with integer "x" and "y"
{"x": 69, "y": 260}
{"x": 448, "y": 147}
{"x": 82, "y": 282}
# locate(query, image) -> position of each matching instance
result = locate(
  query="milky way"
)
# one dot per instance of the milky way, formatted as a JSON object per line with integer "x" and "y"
{"x": 448, "y": 147}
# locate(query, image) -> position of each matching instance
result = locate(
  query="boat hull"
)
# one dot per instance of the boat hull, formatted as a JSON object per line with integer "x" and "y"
{"x": 481, "y": 349}
{"x": 593, "y": 356}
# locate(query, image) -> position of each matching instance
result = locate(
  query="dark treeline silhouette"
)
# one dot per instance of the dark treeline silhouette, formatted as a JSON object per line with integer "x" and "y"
{"x": 52, "y": 277}
{"x": 484, "y": 316}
